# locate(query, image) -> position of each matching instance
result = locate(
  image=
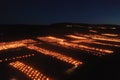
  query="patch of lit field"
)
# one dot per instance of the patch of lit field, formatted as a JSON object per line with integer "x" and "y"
{"x": 60, "y": 53}
{"x": 29, "y": 71}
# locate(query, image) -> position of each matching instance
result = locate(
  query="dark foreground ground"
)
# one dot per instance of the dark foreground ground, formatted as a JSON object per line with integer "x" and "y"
{"x": 106, "y": 67}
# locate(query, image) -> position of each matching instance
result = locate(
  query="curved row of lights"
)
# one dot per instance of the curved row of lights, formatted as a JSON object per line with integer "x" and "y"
{"x": 18, "y": 57}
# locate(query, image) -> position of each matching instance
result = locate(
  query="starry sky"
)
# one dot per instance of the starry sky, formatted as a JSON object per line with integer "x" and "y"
{"x": 55, "y": 11}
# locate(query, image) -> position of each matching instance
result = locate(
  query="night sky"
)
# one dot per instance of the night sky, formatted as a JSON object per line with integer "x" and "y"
{"x": 52, "y": 11}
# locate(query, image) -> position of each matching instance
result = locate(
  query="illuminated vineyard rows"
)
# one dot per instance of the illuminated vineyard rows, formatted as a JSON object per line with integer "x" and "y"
{"x": 67, "y": 44}
{"x": 94, "y": 42}
{"x": 32, "y": 73}
{"x": 57, "y": 55}
{"x": 98, "y": 37}
{"x": 44, "y": 51}
{"x": 15, "y": 44}
{"x": 79, "y": 39}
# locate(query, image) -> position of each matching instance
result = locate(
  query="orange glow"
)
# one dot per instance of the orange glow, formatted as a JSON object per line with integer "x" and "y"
{"x": 94, "y": 42}
{"x": 8, "y": 46}
{"x": 51, "y": 39}
{"x": 86, "y": 48}
{"x": 102, "y": 28}
{"x": 90, "y": 27}
{"x": 32, "y": 73}
{"x": 112, "y": 35}
{"x": 106, "y": 44}
{"x": 99, "y": 37}
{"x": 18, "y": 57}
{"x": 79, "y": 41}
{"x": 1, "y": 61}
{"x": 76, "y": 37}
{"x": 15, "y": 44}
{"x": 93, "y": 31}
{"x": 113, "y": 28}
{"x": 77, "y": 46}
{"x": 57, "y": 55}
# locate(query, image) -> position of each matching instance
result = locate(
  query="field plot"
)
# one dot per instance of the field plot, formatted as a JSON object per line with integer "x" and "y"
{"x": 72, "y": 53}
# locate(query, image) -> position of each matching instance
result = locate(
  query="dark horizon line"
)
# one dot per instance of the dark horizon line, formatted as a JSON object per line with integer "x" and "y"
{"x": 60, "y": 23}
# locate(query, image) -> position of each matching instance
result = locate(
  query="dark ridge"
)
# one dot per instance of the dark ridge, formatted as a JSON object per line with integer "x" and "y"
{"x": 84, "y": 24}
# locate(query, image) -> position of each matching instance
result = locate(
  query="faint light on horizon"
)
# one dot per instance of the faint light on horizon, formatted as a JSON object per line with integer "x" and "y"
{"x": 13, "y": 79}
